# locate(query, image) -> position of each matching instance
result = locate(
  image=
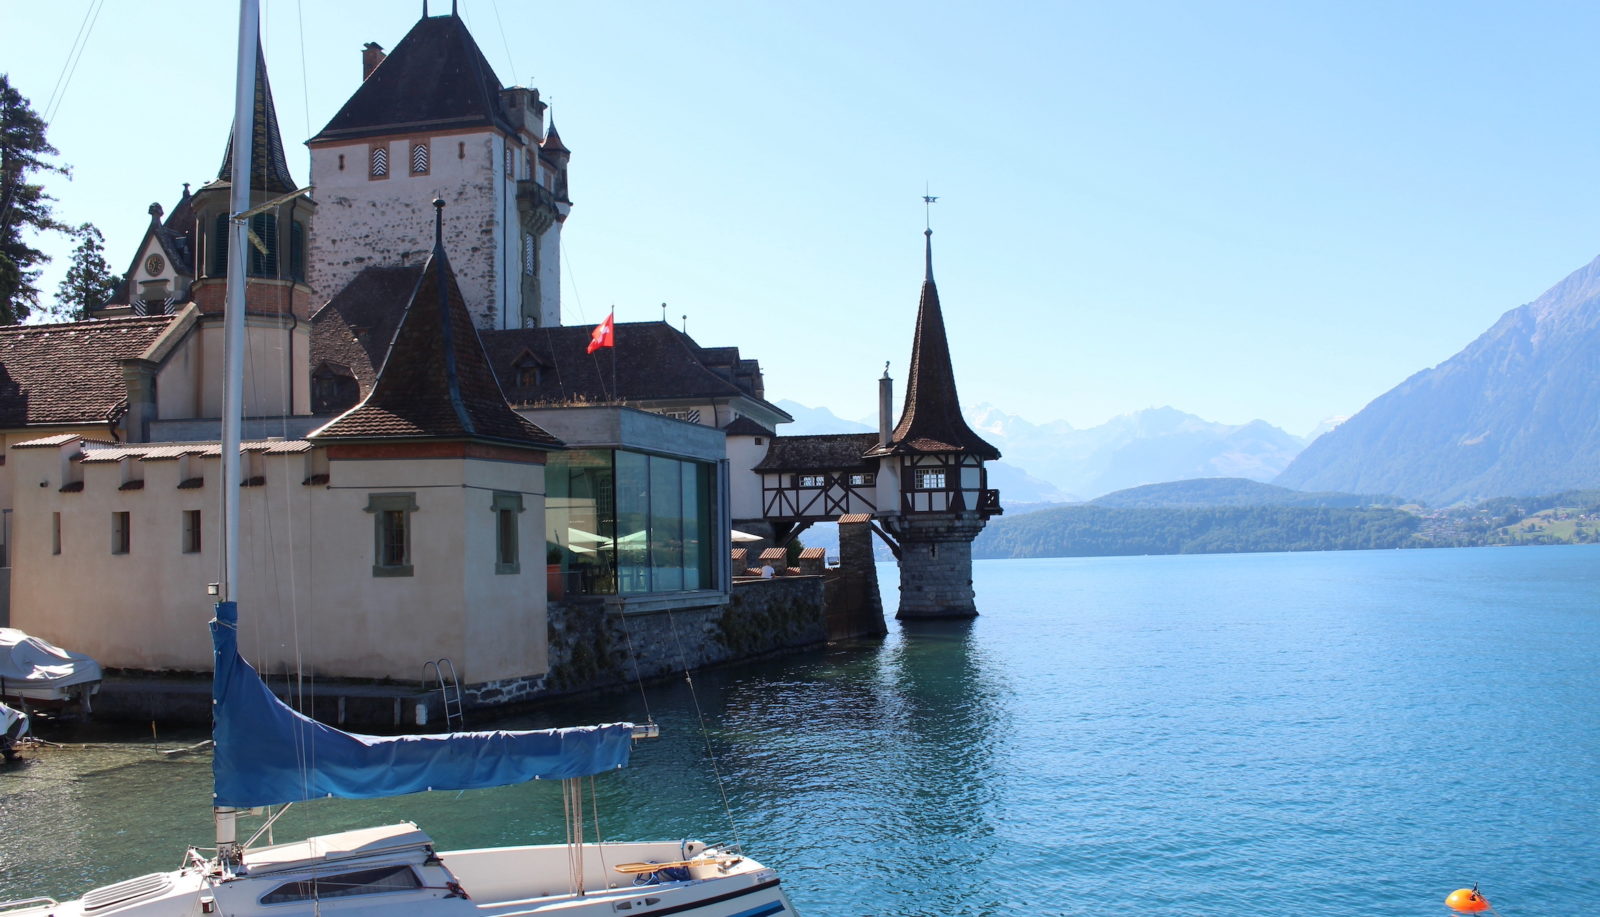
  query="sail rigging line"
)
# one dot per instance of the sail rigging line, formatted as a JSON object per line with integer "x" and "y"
{"x": 705, "y": 732}
{"x": 572, "y": 809}
{"x": 638, "y": 676}
{"x": 69, "y": 67}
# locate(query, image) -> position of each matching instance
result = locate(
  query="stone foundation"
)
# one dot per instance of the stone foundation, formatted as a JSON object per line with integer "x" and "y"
{"x": 936, "y": 564}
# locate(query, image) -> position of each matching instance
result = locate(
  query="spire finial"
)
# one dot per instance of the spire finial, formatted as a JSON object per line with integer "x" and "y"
{"x": 438, "y": 222}
{"x": 928, "y": 201}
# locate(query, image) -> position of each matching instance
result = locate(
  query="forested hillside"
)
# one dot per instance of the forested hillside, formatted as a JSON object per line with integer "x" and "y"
{"x": 1087, "y": 530}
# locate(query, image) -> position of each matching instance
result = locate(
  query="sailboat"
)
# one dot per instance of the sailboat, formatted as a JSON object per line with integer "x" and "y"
{"x": 267, "y": 754}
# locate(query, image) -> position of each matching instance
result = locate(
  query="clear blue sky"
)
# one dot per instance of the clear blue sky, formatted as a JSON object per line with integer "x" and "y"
{"x": 1243, "y": 210}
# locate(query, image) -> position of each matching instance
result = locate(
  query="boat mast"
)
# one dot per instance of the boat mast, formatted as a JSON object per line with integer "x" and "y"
{"x": 233, "y": 339}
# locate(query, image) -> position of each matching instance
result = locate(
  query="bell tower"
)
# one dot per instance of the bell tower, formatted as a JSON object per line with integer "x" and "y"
{"x": 933, "y": 491}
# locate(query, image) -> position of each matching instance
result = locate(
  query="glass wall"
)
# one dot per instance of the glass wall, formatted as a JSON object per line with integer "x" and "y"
{"x": 630, "y": 523}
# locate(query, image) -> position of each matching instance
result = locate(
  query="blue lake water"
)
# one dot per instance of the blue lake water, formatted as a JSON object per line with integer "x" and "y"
{"x": 1356, "y": 732}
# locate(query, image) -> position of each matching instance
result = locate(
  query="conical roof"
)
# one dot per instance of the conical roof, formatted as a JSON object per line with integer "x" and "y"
{"x": 931, "y": 420}
{"x": 436, "y": 79}
{"x": 268, "y": 166}
{"x": 435, "y": 382}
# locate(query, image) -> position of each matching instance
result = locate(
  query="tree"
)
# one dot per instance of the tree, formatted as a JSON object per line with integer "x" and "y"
{"x": 23, "y": 204}
{"x": 89, "y": 282}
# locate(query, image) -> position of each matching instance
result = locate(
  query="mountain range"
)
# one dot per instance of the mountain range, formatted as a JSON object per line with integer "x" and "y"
{"x": 1055, "y": 462}
{"x": 1516, "y": 412}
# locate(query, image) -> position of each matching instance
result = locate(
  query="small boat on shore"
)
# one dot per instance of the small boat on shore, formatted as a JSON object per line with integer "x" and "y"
{"x": 37, "y": 673}
{"x": 13, "y": 726}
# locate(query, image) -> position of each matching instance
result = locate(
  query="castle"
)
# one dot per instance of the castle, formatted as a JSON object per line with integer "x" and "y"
{"x": 433, "y": 461}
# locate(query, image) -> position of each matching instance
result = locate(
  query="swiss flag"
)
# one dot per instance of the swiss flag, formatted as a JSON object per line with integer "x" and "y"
{"x": 601, "y": 336}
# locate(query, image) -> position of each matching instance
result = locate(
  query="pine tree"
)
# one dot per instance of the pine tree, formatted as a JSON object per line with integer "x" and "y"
{"x": 89, "y": 281}
{"x": 23, "y": 204}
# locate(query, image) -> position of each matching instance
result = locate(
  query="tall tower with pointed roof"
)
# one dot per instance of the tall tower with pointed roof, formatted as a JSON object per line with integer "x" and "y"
{"x": 279, "y": 234}
{"x": 932, "y": 461}
{"x": 431, "y": 119}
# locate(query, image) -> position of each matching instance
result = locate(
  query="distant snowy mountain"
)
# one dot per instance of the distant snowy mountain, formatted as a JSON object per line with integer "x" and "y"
{"x": 1146, "y": 447}
{"x": 1054, "y": 462}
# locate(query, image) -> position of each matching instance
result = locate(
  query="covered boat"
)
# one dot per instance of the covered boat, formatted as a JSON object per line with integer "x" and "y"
{"x": 37, "y": 672}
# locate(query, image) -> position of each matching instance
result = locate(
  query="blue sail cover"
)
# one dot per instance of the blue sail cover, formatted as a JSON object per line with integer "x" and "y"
{"x": 267, "y": 753}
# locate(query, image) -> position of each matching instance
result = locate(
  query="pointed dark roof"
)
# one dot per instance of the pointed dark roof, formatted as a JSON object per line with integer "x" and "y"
{"x": 435, "y": 79}
{"x": 269, "y": 169}
{"x": 931, "y": 420}
{"x": 552, "y": 140}
{"x": 435, "y": 382}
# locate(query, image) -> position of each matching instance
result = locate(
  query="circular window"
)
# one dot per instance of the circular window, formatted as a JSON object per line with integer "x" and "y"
{"x": 154, "y": 264}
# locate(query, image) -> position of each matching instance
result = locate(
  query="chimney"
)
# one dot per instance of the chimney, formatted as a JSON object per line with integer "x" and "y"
{"x": 885, "y": 406}
{"x": 371, "y": 56}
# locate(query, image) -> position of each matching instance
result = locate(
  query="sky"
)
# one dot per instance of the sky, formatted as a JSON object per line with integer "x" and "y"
{"x": 1271, "y": 211}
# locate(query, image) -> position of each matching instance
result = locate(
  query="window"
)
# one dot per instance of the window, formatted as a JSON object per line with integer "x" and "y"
{"x": 629, "y": 523}
{"x": 219, "y": 246}
{"x": 391, "y": 533}
{"x": 810, "y": 480}
{"x": 862, "y": 480}
{"x": 419, "y": 158}
{"x": 341, "y": 162}
{"x": 191, "y": 531}
{"x": 511, "y": 164}
{"x": 379, "y": 162}
{"x": 929, "y": 480}
{"x": 121, "y": 533}
{"x": 345, "y": 884}
{"x": 55, "y": 533}
{"x": 297, "y": 251}
{"x": 528, "y": 257}
{"x": 507, "y": 558}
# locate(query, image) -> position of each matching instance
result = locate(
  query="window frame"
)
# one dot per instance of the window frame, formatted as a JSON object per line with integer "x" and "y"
{"x": 121, "y": 532}
{"x": 192, "y": 539}
{"x": 378, "y": 165}
{"x": 384, "y": 508}
{"x": 507, "y": 506}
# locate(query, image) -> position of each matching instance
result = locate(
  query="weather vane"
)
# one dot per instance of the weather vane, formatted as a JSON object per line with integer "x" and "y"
{"x": 928, "y": 201}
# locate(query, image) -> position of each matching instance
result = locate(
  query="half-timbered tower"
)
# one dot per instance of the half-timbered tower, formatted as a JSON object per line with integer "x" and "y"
{"x": 935, "y": 463}
{"x": 431, "y": 119}
{"x": 921, "y": 481}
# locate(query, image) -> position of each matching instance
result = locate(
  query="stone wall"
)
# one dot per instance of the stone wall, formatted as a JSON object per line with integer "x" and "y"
{"x": 598, "y": 643}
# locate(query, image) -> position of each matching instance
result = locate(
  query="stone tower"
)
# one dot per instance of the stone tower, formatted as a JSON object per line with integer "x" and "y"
{"x": 933, "y": 490}
{"x": 431, "y": 119}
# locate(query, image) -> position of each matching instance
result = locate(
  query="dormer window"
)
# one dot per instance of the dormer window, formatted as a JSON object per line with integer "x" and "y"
{"x": 527, "y": 370}
{"x": 333, "y": 389}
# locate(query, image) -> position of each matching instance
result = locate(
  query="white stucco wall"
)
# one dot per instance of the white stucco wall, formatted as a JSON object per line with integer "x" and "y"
{"x": 745, "y": 484}
{"x": 307, "y": 590}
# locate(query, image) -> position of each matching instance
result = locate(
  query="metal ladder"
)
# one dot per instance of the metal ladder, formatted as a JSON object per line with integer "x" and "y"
{"x": 449, "y": 691}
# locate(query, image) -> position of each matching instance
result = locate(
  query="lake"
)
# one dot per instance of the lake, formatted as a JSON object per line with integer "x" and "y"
{"x": 1272, "y": 734}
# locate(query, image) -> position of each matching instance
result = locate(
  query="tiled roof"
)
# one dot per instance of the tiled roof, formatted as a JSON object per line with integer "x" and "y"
{"x": 436, "y": 79}
{"x": 824, "y": 452}
{"x": 435, "y": 382}
{"x": 650, "y": 361}
{"x": 69, "y": 373}
{"x": 269, "y": 168}
{"x": 354, "y": 329}
{"x": 744, "y": 426}
{"x": 931, "y": 420}
{"x": 145, "y": 452}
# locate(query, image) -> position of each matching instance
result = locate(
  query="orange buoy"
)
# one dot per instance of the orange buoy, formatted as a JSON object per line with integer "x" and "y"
{"x": 1467, "y": 901}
